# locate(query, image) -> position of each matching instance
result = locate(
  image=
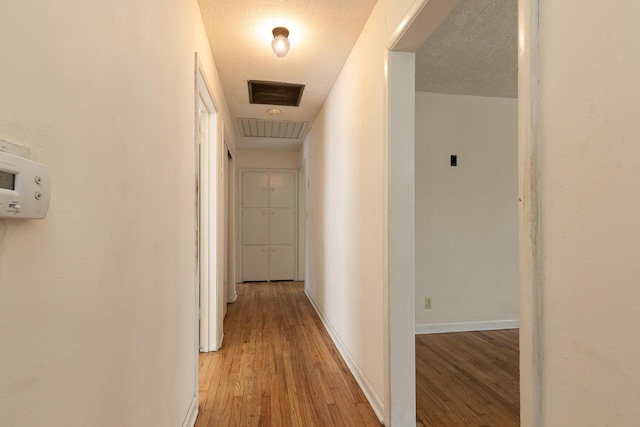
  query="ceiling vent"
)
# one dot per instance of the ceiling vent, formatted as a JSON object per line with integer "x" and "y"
{"x": 275, "y": 93}
{"x": 255, "y": 128}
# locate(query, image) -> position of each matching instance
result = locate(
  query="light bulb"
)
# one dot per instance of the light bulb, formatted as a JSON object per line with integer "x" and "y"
{"x": 280, "y": 43}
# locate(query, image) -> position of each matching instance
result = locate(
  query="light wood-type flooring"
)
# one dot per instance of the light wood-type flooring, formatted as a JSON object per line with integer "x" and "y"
{"x": 468, "y": 379}
{"x": 278, "y": 367}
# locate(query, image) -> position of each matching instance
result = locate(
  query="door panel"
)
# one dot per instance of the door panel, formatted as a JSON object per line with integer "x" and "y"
{"x": 255, "y": 263}
{"x": 255, "y": 227}
{"x": 281, "y": 227}
{"x": 282, "y": 186}
{"x": 254, "y": 190}
{"x": 268, "y": 224}
{"x": 281, "y": 262}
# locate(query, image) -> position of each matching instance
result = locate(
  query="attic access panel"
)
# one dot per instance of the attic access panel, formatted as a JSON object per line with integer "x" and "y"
{"x": 275, "y": 93}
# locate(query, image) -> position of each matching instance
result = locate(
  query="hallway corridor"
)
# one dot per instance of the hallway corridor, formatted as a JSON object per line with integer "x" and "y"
{"x": 278, "y": 367}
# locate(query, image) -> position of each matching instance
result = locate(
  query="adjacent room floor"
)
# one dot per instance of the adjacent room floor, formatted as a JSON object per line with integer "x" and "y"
{"x": 468, "y": 379}
{"x": 278, "y": 367}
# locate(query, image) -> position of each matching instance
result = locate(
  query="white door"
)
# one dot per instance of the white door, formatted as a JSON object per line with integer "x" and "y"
{"x": 282, "y": 226}
{"x": 283, "y": 190}
{"x": 268, "y": 228}
{"x": 281, "y": 262}
{"x": 254, "y": 189}
{"x": 255, "y": 263}
{"x": 255, "y": 226}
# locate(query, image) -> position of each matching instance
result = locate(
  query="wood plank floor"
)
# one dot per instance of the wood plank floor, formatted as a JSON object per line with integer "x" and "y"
{"x": 468, "y": 379}
{"x": 278, "y": 367}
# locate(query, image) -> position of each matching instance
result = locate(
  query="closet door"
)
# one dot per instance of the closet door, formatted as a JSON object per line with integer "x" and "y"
{"x": 268, "y": 224}
{"x": 281, "y": 226}
{"x": 281, "y": 262}
{"x": 283, "y": 190}
{"x": 255, "y": 226}
{"x": 255, "y": 263}
{"x": 254, "y": 189}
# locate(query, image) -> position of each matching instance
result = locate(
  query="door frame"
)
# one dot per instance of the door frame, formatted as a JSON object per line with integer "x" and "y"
{"x": 399, "y": 333}
{"x": 230, "y": 210}
{"x": 302, "y": 223}
{"x": 209, "y": 174}
{"x": 192, "y": 413}
{"x": 531, "y": 306}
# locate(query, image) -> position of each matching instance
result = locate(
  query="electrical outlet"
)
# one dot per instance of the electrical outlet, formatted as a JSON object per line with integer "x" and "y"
{"x": 427, "y": 303}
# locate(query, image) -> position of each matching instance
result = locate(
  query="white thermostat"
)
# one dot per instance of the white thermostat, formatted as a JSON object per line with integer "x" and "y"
{"x": 24, "y": 188}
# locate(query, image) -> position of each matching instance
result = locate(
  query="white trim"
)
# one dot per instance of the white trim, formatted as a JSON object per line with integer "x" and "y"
{"x": 214, "y": 345}
{"x": 399, "y": 306}
{"x": 192, "y": 414}
{"x": 302, "y": 222}
{"x": 420, "y": 21}
{"x": 193, "y": 410}
{"x": 220, "y": 339}
{"x": 211, "y": 214}
{"x": 216, "y": 187}
{"x": 483, "y": 325}
{"x": 374, "y": 400}
{"x": 232, "y": 294}
{"x": 530, "y": 256}
{"x": 217, "y": 345}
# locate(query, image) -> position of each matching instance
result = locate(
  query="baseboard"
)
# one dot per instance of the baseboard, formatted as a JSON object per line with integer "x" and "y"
{"x": 218, "y": 345}
{"x": 192, "y": 414}
{"x": 488, "y": 325}
{"x": 361, "y": 379}
{"x": 234, "y": 297}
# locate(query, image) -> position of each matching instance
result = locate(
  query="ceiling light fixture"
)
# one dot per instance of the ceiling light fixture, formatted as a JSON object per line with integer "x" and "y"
{"x": 280, "y": 43}
{"x": 274, "y": 111}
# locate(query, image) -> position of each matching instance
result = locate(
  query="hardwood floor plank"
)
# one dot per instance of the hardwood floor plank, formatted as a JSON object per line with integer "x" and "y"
{"x": 278, "y": 367}
{"x": 468, "y": 379}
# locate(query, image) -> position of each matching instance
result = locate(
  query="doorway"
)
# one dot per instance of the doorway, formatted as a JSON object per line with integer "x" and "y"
{"x": 467, "y": 212}
{"x": 422, "y": 19}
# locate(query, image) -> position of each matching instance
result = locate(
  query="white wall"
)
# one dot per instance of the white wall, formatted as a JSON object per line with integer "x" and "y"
{"x": 97, "y": 300}
{"x": 344, "y": 155}
{"x": 466, "y": 216}
{"x": 347, "y": 229}
{"x": 267, "y": 159}
{"x": 589, "y": 168}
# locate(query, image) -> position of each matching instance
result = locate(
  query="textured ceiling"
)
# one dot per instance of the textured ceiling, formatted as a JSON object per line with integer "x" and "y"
{"x": 322, "y": 34}
{"x": 473, "y": 51}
